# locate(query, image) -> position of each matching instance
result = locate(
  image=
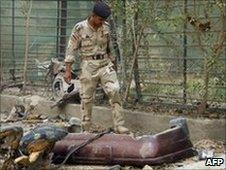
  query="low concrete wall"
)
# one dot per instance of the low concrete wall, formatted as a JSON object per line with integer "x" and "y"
{"x": 147, "y": 123}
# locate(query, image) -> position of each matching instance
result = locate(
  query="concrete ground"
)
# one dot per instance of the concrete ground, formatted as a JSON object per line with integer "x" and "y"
{"x": 143, "y": 122}
{"x": 138, "y": 122}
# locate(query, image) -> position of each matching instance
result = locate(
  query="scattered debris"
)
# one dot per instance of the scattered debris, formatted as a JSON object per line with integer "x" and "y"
{"x": 184, "y": 164}
{"x": 25, "y": 111}
{"x": 207, "y": 144}
{"x": 31, "y": 150}
{"x": 115, "y": 167}
{"x": 74, "y": 125}
{"x": 18, "y": 85}
{"x": 17, "y": 113}
{"x": 9, "y": 140}
{"x": 204, "y": 147}
{"x": 203, "y": 154}
{"x": 147, "y": 167}
{"x": 72, "y": 97}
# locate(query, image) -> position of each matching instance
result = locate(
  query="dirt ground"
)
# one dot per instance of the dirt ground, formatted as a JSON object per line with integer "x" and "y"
{"x": 216, "y": 147}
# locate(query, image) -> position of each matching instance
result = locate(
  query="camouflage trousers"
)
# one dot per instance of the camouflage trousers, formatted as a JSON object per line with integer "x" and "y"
{"x": 94, "y": 72}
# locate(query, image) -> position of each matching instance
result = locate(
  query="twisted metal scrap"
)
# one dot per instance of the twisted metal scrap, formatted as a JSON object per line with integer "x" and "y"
{"x": 37, "y": 144}
{"x": 9, "y": 139}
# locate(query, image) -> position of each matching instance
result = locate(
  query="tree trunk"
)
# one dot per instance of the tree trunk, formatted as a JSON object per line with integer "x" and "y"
{"x": 27, "y": 29}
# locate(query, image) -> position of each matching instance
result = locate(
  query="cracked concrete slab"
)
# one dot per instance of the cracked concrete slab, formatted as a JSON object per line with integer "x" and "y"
{"x": 147, "y": 123}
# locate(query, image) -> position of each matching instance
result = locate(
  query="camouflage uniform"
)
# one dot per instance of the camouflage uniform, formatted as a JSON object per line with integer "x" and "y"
{"x": 93, "y": 47}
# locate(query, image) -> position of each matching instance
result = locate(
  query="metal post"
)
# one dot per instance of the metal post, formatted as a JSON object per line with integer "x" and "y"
{"x": 136, "y": 67}
{"x": 185, "y": 57}
{"x": 123, "y": 65}
{"x": 1, "y": 70}
{"x": 224, "y": 27}
{"x": 58, "y": 24}
{"x": 225, "y": 68}
{"x": 1, "y": 41}
{"x": 13, "y": 40}
{"x": 63, "y": 29}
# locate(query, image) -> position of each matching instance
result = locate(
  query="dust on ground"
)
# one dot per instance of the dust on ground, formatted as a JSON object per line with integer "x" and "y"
{"x": 205, "y": 144}
{"x": 218, "y": 147}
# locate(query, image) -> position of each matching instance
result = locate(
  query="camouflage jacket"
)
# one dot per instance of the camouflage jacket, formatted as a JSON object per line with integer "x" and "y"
{"x": 87, "y": 41}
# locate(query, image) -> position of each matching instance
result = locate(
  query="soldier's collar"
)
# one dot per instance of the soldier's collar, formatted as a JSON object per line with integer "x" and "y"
{"x": 91, "y": 27}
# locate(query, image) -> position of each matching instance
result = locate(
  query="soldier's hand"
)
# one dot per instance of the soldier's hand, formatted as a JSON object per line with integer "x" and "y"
{"x": 67, "y": 76}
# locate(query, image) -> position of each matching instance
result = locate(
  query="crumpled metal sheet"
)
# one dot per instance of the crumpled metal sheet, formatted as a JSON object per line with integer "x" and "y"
{"x": 10, "y": 137}
{"x": 165, "y": 147}
{"x": 48, "y": 133}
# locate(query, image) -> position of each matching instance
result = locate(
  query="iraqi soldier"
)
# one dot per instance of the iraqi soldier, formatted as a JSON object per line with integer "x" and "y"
{"x": 91, "y": 40}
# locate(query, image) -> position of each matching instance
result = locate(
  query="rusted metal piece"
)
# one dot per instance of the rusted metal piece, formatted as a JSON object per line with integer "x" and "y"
{"x": 36, "y": 146}
{"x": 165, "y": 147}
{"x": 9, "y": 141}
{"x": 72, "y": 97}
{"x": 41, "y": 138}
{"x": 10, "y": 136}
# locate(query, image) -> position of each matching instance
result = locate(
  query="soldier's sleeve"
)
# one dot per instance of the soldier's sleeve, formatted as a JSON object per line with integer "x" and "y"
{"x": 73, "y": 43}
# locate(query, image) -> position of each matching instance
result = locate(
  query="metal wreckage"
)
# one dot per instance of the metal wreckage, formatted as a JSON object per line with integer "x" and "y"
{"x": 50, "y": 147}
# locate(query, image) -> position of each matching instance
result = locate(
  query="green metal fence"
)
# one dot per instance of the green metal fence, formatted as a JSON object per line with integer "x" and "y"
{"x": 50, "y": 25}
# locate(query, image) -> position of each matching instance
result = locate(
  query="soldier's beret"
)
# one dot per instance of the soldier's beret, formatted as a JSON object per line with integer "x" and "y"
{"x": 102, "y": 9}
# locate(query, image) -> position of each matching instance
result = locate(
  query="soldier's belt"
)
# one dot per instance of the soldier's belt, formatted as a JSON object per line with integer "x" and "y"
{"x": 95, "y": 57}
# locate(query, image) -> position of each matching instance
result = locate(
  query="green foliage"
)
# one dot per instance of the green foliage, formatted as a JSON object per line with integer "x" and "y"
{"x": 195, "y": 88}
{"x": 166, "y": 24}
